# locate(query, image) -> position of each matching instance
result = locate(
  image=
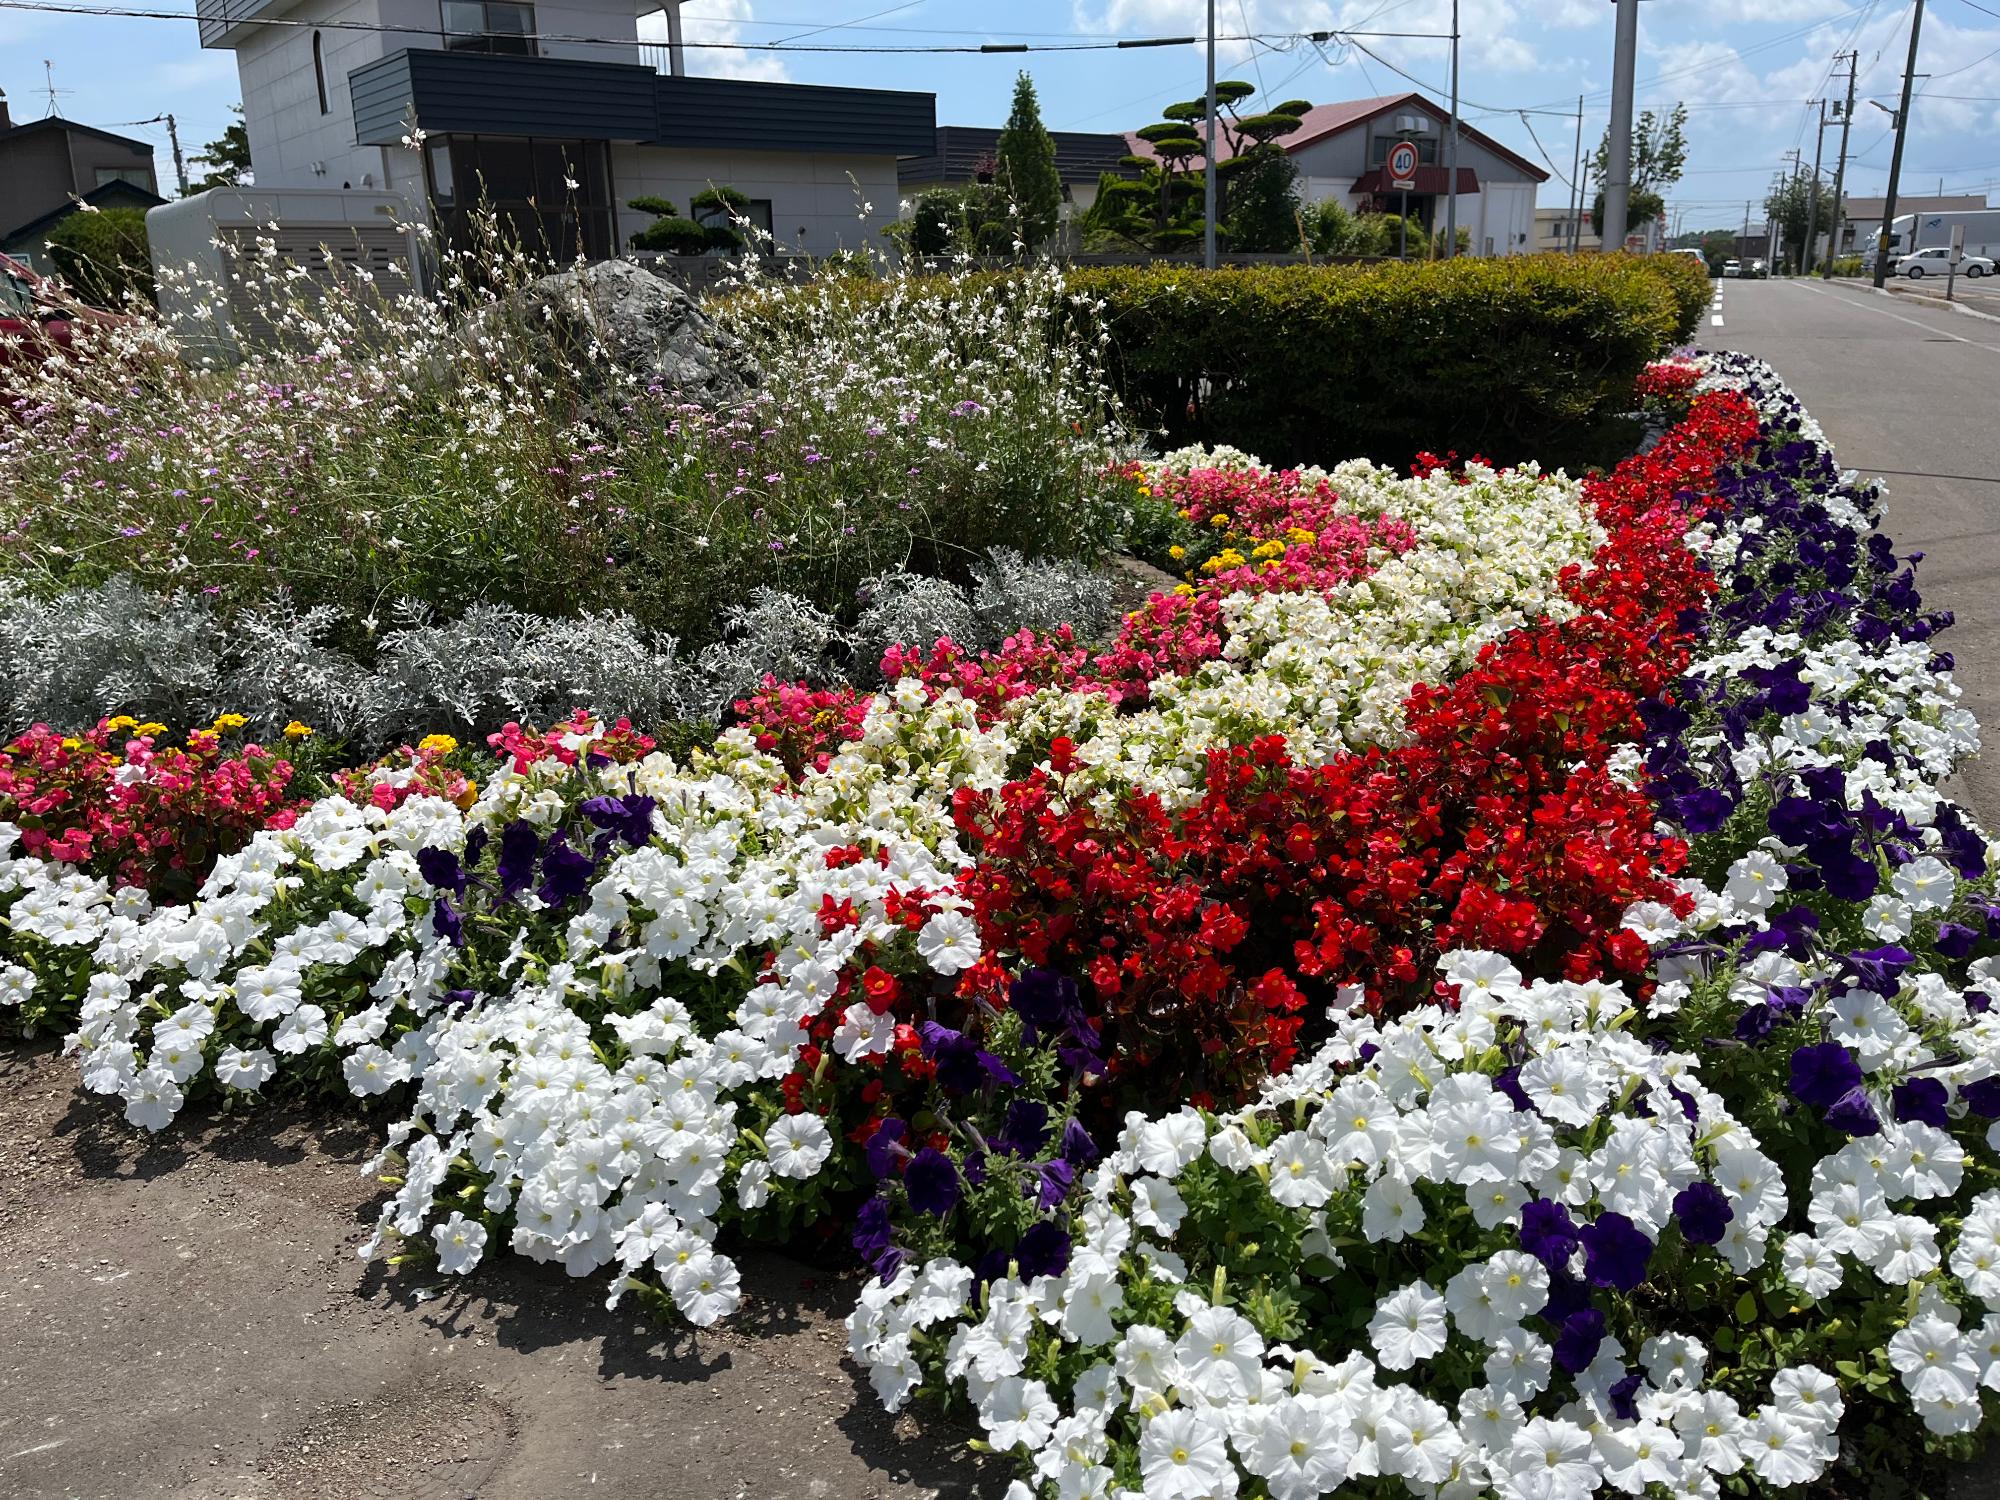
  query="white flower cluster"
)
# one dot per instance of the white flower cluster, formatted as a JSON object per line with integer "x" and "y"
{"x": 1390, "y": 1130}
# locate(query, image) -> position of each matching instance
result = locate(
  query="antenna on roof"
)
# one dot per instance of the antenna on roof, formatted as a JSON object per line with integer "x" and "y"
{"x": 49, "y": 77}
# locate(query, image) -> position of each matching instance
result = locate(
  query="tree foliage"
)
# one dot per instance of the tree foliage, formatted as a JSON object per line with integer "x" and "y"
{"x": 1790, "y": 204}
{"x": 227, "y": 157}
{"x": 1025, "y": 169}
{"x": 102, "y": 253}
{"x": 1258, "y": 206}
{"x": 1659, "y": 151}
{"x": 673, "y": 233}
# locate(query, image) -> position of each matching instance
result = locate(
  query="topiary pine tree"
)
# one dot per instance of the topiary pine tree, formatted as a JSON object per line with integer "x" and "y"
{"x": 1026, "y": 166}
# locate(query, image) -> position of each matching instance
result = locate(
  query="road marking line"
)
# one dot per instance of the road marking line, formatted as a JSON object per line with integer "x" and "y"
{"x": 1931, "y": 328}
{"x": 43, "y": 1448}
{"x": 1716, "y": 321}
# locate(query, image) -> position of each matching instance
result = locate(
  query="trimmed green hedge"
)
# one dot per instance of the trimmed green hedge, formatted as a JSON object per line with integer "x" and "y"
{"x": 1512, "y": 358}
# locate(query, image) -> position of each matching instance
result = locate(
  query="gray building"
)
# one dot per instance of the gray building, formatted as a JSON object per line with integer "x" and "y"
{"x": 554, "y": 114}
{"x": 963, "y": 152}
{"x": 47, "y": 165}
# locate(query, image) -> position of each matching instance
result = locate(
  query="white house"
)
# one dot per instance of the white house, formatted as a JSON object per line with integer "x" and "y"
{"x": 555, "y": 114}
{"x": 1340, "y": 148}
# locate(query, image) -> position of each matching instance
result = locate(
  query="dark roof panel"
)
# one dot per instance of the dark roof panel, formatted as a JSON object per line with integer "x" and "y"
{"x": 1081, "y": 156}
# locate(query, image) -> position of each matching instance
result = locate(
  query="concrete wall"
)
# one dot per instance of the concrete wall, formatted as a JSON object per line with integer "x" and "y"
{"x": 814, "y": 206}
{"x": 294, "y": 144}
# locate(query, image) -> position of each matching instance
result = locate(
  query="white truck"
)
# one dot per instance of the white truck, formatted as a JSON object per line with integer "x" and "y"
{"x": 1909, "y": 233}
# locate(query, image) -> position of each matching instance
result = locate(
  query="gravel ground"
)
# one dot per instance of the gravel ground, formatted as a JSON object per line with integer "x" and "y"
{"x": 185, "y": 1316}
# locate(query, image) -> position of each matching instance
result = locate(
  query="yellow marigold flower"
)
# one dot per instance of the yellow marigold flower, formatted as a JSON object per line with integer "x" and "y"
{"x": 1146, "y": 490}
{"x": 1186, "y": 515}
{"x": 297, "y": 731}
{"x": 72, "y": 744}
{"x": 437, "y": 744}
{"x": 228, "y": 721}
{"x": 149, "y": 727}
{"x": 1298, "y": 536}
{"x": 1184, "y": 589}
{"x": 1177, "y": 552}
{"x": 1220, "y": 518}
{"x": 123, "y": 721}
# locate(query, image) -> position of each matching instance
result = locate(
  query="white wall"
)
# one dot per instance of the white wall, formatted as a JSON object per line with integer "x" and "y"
{"x": 809, "y": 191}
{"x": 289, "y": 134}
{"x": 1503, "y": 212}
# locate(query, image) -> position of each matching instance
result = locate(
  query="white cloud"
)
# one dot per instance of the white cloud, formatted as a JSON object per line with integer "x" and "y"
{"x": 718, "y": 25}
{"x": 202, "y": 71}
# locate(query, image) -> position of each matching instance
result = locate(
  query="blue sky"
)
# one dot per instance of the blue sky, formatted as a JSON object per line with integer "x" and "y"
{"x": 1746, "y": 68}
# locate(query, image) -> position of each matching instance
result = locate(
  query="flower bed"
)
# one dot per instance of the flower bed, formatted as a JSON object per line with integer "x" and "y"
{"x": 1506, "y": 1010}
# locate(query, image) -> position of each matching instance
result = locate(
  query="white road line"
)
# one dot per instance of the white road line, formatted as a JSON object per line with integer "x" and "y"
{"x": 40, "y": 1448}
{"x": 1716, "y": 321}
{"x": 1932, "y": 328}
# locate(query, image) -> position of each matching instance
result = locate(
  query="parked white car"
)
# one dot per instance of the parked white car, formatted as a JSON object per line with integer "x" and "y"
{"x": 1732, "y": 268}
{"x": 1936, "y": 261}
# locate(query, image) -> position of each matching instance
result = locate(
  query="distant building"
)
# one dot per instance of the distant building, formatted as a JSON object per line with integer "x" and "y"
{"x": 555, "y": 115}
{"x": 963, "y": 151}
{"x": 1863, "y": 218}
{"x": 1341, "y": 148}
{"x": 47, "y": 165}
{"x": 1553, "y": 228}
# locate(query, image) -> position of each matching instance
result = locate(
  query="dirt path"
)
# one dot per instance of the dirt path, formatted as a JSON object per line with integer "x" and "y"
{"x": 184, "y": 1316}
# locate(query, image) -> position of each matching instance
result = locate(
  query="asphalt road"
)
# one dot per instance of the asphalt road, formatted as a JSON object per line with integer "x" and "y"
{"x": 1910, "y": 392}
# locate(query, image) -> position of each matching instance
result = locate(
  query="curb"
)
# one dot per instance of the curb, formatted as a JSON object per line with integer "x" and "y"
{"x": 1939, "y": 302}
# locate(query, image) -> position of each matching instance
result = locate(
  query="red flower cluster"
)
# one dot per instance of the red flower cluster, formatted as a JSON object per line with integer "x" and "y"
{"x": 569, "y": 740}
{"x": 803, "y": 726}
{"x": 1208, "y": 936}
{"x": 1667, "y": 381}
{"x": 409, "y": 771}
{"x": 137, "y": 812}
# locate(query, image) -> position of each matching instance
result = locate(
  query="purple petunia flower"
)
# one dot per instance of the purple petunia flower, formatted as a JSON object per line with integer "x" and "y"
{"x": 519, "y": 845}
{"x": 881, "y": 1149}
{"x": 1042, "y": 1251}
{"x": 447, "y": 923}
{"x": 1577, "y": 1343}
{"x": 1853, "y": 1113}
{"x": 1822, "y": 1072}
{"x": 442, "y": 869}
{"x": 566, "y": 872}
{"x": 1704, "y": 1212}
{"x": 1922, "y": 1099}
{"x": 932, "y": 1182}
{"x": 1615, "y": 1251}
{"x": 1547, "y": 1232}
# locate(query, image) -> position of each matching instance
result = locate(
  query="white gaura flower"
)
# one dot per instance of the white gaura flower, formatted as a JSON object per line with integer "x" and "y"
{"x": 949, "y": 942}
{"x": 1408, "y": 1326}
{"x": 460, "y": 1243}
{"x": 1184, "y": 1455}
{"x": 798, "y": 1145}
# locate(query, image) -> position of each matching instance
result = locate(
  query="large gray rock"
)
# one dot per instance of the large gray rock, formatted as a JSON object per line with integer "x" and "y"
{"x": 648, "y": 326}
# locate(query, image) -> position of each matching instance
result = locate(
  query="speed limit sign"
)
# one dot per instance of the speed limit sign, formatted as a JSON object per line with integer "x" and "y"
{"x": 1402, "y": 165}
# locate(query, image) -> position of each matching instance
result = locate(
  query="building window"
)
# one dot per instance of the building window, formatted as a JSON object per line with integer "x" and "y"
{"x": 319, "y": 71}
{"x": 505, "y": 26}
{"x": 757, "y": 211}
{"x": 137, "y": 176}
{"x": 525, "y": 186}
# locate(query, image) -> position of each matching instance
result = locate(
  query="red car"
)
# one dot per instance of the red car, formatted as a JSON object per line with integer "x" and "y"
{"x": 36, "y": 315}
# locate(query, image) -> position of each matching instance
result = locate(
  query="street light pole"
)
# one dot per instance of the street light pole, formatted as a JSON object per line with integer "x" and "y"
{"x": 1208, "y": 169}
{"x": 1618, "y": 154}
{"x": 1812, "y": 197}
{"x": 1451, "y": 150}
{"x": 1896, "y": 155}
{"x": 1576, "y": 181}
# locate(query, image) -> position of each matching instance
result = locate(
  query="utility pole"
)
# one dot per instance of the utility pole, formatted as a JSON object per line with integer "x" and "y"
{"x": 1812, "y": 197}
{"x": 676, "y": 46}
{"x": 1208, "y": 169}
{"x": 1451, "y": 150}
{"x": 1618, "y": 155}
{"x": 180, "y": 164}
{"x": 1797, "y": 159}
{"x": 1575, "y": 231}
{"x": 1840, "y": 169}
{"x": 1896, "y": 155}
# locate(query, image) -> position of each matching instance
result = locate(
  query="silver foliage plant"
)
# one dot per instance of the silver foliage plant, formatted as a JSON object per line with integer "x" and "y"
{"x": 116, "y": 648}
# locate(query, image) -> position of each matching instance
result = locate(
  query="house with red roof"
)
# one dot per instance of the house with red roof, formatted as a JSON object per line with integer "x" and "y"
{"x": 1341, "y": 149}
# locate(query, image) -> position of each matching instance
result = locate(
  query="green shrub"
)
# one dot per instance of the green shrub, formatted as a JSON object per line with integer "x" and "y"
{"x": 103, "y": 254}
{"x": 1515, "y": 358}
